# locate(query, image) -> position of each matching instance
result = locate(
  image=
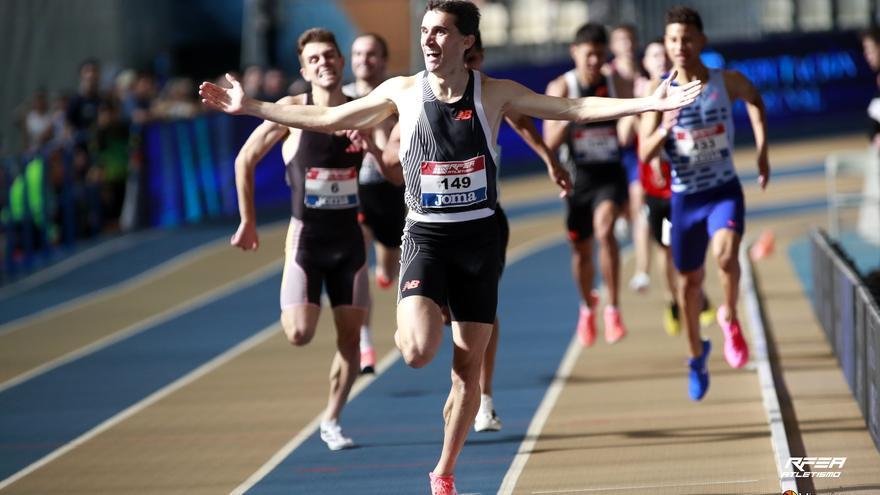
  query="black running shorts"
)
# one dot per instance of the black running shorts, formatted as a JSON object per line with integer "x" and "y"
{"x": 455, "y": 263}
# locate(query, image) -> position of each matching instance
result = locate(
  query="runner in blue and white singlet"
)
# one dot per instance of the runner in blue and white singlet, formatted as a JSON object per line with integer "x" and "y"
{"x": 707, "y": 198}
{"x": 706, "y": 193}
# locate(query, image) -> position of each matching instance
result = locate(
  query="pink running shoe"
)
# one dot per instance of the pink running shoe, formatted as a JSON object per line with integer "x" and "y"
{"x": 442, "y": 485}
{"x": 586, "y": 326}
{"x": 736, "y": 351}
{"x": 614, "y": 329}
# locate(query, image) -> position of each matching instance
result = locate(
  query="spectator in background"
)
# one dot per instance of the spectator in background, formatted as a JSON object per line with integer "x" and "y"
{"x": 252, "y": 81}
{"x": 274, "y": 85}
{"x": 82, "y": 110}
{"x": 178, "y": 100}
{"x": 38, "y": 122}
{"x": 136, "y": 106}
{"x": 61, "y": 133}
{"x": 110, "y": 149}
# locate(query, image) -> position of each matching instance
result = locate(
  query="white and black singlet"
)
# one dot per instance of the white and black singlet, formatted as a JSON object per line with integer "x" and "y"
{"x": 450, "y": 242}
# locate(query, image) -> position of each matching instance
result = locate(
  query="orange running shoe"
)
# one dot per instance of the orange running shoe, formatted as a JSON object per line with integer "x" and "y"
{"x": 614, "y": 329}
{"x": 586, "y": 325}
{"x": 442, "y": 485}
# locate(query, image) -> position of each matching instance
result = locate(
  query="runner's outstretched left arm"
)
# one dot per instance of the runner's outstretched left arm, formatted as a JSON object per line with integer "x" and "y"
{"x": 590, "y": 109}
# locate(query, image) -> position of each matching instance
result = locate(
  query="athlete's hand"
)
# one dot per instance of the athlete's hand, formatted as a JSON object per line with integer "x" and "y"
{"x": 668, "y": 97}
{"x": 246, "y": 238}
{"x": 363, "y": 139}
{"x": 670, "y": 118}
{"x": 657, "y": 174}
{"x": 561, "y": 178}
{"x": 763, "y": 170}
{"x": 229, "y": 100}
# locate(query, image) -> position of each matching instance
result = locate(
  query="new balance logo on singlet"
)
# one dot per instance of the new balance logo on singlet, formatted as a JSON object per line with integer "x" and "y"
{"x": 464, "y": 115}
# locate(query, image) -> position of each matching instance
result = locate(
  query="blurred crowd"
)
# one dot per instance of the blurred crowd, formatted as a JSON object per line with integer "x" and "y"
{"x": 81, "y": 150}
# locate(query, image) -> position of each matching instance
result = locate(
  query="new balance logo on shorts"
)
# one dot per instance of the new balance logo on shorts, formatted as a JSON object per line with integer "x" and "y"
{"x": 411, "y": 284}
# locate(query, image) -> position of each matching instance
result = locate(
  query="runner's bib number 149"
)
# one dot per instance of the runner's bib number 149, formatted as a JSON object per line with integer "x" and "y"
{"x": 331, "y": 188}
{"x": 453, "y": 184}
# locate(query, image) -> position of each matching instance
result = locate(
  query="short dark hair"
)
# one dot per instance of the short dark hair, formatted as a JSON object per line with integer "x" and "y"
{"x": 872, "y": 33}
{"x": 478, "y": 43}
{"x": 467, "y": 15}
{"x": 316, "y": 35}
{"x": 591, "y": 33}
{"x": 383, "y": 45}
{"x": 681, "y": 14}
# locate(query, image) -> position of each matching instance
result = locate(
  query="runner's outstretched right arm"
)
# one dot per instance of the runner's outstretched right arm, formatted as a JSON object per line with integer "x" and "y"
{"x": 361, "y": 113}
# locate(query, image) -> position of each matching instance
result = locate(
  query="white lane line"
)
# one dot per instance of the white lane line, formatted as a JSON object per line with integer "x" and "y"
{"x": 142, "y": 325}
{"x": 540, "y": 417}
{"x": 153, "y": 398}
{"x": 166, "y": 268}
{"x": 75, "y": 261}
{"x": 515, "y": 255}
{"x": 645, "y": 487}
{"x": 546, "y": 407}
{"x": 760, "y": 356}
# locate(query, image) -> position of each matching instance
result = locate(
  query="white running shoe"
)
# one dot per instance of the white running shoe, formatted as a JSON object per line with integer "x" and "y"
{"x": 487, "y": 421}
{"x": 331, "y": 434}
{"x": 640, "y": 282}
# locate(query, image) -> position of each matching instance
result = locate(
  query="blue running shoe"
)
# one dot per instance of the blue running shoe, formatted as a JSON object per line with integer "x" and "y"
{"x": 698, "y": 373}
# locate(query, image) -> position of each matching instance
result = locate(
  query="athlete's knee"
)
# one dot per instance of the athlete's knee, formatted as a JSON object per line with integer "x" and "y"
{"x": 582, "y": 250}
{"x": 603, "y": 226}
{"x": 727, "y": 260}
{"x": 299, "y": 333}
{"x": 466, "y": 376}
{"x": 415, "y": 354}
{"x": 692, "y": 280}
